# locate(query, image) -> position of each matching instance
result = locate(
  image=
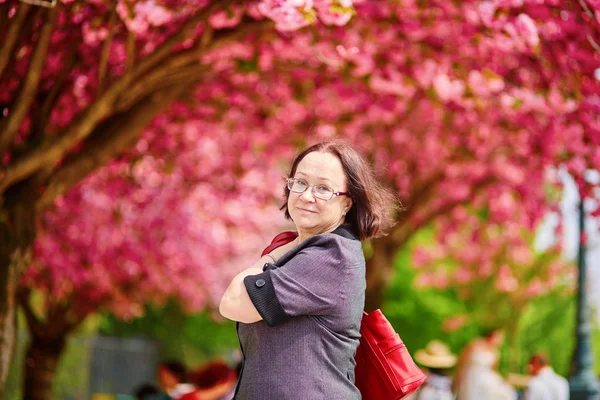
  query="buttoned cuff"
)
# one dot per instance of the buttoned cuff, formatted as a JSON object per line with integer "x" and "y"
{"x": 262, "y": 293}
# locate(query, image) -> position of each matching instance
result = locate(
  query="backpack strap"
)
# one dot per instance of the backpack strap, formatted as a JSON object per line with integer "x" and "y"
{"x": 280, "y": 240}
{"x": 286, "y": 237}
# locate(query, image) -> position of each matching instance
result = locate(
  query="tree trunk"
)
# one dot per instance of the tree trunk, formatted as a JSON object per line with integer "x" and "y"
{"x": 17, "y": 230}
{"x": 40, "y": 367}
{"x": 379, "y": 270}
{"x": 8, "y": 320}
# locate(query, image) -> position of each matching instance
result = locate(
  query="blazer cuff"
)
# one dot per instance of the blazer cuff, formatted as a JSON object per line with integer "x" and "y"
{"x": 262, "y": 293}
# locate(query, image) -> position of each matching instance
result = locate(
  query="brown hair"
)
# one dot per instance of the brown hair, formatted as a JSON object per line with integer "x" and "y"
{"x": 539, "y": 358}
{"x": 373, "y": 205}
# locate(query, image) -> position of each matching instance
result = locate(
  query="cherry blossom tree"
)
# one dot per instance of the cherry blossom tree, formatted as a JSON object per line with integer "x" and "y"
{"x": 461, "y": 107}
{"x": 79, "y": 81}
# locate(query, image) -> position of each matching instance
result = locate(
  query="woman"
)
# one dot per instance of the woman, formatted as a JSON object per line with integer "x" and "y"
{"x": 476, "y": 376}
{"x": 300, "y": 307}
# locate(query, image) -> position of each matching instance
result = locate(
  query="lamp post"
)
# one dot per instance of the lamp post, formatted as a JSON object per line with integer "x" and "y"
{"x": 583, "y": 384}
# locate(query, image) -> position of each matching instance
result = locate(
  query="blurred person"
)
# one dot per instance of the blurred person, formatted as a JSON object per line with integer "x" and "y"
{"x": 148, "y": 391}
{"x": 438, "y": 359}
{"x": 476, "y": 376}
{"x": 546, "y": 384}
{"x": 172, "y": 376}
{"x": 212, "y": 381}
{"x": 300, "y": 306}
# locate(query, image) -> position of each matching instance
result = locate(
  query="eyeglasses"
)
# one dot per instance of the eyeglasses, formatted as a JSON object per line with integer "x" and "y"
{"x": 322, "y": 192}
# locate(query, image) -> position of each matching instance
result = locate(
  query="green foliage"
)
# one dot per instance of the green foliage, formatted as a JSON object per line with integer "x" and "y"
{"x": 72, "y": 375}
{"x": 418, "y": 314}
{"x": 193, "y": 338}
{"x": 546, "y": 324}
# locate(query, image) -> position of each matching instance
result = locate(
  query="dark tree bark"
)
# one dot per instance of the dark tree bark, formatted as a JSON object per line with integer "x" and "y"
{"x": 41, "y": 364}
{"x": 380, "y": 268}
{"x": 17, "y": 232}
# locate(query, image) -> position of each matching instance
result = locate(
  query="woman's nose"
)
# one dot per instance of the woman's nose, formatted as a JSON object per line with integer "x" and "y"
{"x": 308, "y": 196}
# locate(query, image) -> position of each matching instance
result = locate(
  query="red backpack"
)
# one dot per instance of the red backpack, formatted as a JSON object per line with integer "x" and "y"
{"x": 385, "y": 369}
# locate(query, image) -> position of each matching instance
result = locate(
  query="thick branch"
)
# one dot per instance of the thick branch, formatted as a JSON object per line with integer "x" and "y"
{"x": 106, "y": 51}
{"x": 186, "y": 62}
{"x": 402, "y": 234}
{"x": 60, "y": 319}
{"x": 10, "y": 125}
{"x": 420, "y": 195}
{"x": 33, "y": 322}
{"x": 108, "y": 141}
{"x": 41, "y": 120}
{"x": 11, "y": 37}
{"x": 85, "y": 123}
{"x": 80, "y": 128}
{"x": 189, "y": 75}
{"x": 130, "y": 46}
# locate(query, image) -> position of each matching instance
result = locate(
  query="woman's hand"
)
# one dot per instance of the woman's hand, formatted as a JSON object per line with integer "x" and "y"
{"x": 235, "y": 303}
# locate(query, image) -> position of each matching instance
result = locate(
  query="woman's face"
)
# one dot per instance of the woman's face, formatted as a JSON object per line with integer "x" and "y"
{"x": 311, "y": 215}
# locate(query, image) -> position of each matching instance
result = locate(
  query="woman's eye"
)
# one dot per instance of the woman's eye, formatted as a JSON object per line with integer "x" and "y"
{"x": 324, "y": 189}
{"x": 301, "y": 183}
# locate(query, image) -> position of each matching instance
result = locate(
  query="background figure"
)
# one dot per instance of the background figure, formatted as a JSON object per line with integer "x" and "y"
{"x": 147, "y": 391}
{"x": 476, "y": 376}
{"x": 172, "y": 376}
{"x": 546, "y": 384}
{"x": 213, "y": 381}
{"x": 438, "y": 359}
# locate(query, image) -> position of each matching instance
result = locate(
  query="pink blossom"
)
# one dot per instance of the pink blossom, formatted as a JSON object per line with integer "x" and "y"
{"x": 505, "y": 281}
{"x": 535, "y": 288}
{"x": 527, "y": 29}
{"x": 448, "y": 90}
{"x": 463, "y": 275}
{"x": 288, "y": 14}
{"x": 421, "y": 257}
{"x": 454, "y": 323}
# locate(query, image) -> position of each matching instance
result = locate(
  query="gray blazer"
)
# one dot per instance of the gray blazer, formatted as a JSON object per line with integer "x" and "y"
{"x": 311, "y": 302}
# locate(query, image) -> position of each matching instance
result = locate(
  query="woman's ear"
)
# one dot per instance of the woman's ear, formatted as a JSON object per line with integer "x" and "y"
{"x": 348, "y": 205}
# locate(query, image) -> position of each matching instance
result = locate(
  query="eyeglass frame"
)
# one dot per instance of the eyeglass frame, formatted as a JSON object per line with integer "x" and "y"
{"x": 312, "y": 189}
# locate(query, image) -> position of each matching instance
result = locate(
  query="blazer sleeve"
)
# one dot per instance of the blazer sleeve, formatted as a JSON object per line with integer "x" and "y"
{"x": 313, "y": 282}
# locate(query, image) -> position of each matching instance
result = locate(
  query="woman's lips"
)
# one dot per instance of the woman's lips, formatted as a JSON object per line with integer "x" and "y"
{"x": 305, "y": 210}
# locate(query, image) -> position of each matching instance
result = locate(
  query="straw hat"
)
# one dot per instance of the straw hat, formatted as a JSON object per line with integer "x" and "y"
{"x": 436, "y": 355}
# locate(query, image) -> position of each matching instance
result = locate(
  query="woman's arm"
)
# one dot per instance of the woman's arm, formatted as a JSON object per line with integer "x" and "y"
{"x": 235, "y": 303}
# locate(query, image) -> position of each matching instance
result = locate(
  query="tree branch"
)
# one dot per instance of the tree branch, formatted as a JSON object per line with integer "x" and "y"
{"x": 60, "y": 323}
{"x": 402, "y": 234}
{"x": 39, "y": 123}
{"x": 109, "y": 140}
{"x": 130, "y": 46}
{"x": 9, "y": 127}
{"x": 33, "y": 322}
{"x": 185, "y": 62}
{"x": 190, "y": 76}
{"x": 11, "y": 37}
{"x": 79, "y": 129}
{"x": 106, "y": 51}
{"x": 85, "y": 123}
{"x": 587, "y": 10}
